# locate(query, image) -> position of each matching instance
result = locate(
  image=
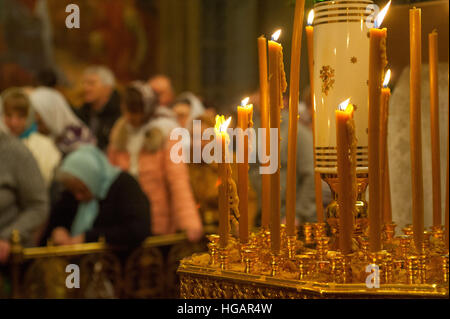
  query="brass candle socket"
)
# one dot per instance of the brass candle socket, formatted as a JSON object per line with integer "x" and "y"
{"x": 389, "y": 232}
{"x": 223, "y": 257}
{"x": 444, "y": 260}
{"x": 303, "y": 265}
{"x": 322, "y": 247}
{"x": 250, "y": 260}
{"x": 291, "y": 246}
{"x": 405, "y": 243}
{"x": 213, "y": 249}
{"x": 320, "y": 230}
{"x": 308, "y": 232}
{"x": 337, "y": 267}
{"x": 275, "y": 264}
{"x": 413, "y": 269}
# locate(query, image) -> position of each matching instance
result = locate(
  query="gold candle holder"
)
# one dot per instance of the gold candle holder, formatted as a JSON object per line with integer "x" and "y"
{"x": 364, "y": 247}
{"x": 212, "y": 247}
{"x": 308, "y": 232}
{"x": 405, "y": 243}
{"x": 303, "y": 265}
{"x": 444, "y": 260}
{"x": 337, "y": 267}
{"x": 291, "y": 246}
{"x": 249, "y": 258}
{"x": 389, "y": 232}
{"x": 320, "y": 230}
{"x": 275, "y": 265}
{"x": 322, "y": 247}
{"x": 408, "y": 230}
{"x": 438, "y": 232}
{"x": 413, "y": 266}
{"x": 223, "y": 256}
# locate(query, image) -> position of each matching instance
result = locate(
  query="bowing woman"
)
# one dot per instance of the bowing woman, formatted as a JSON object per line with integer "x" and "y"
{"x": 99, "y": 200}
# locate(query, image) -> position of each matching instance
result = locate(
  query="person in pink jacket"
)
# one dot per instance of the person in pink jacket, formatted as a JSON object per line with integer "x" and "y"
{"x": 140, "y": 145}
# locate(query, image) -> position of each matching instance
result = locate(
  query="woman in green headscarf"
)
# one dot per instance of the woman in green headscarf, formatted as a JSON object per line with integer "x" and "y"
{"x": 99, "y": 200}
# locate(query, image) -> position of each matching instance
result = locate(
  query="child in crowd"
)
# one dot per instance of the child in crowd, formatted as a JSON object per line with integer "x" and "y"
{"x": 55, "y": 118}
{"x": 139, "y": 145}
{"x": 99, "y": 200}
{"x": 17, "y": 120}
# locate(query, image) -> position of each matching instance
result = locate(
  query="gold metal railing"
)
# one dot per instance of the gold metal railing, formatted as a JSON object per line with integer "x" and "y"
{"x": 149, "y": 271}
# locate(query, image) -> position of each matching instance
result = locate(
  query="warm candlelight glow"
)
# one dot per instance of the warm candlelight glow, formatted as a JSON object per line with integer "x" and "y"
{"x": 276, "y": 35}
{"x": 387, "y": 77}
{"x": 310, "y": 17}
{"x": 343, "y": 105}
{"x": 380, "y": 17}
{"x": 244, "y": 102}
{"x": 221, "y": 124}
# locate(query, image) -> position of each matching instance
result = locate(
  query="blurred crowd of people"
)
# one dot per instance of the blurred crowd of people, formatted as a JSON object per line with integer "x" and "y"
{"x": 72, "y": 174}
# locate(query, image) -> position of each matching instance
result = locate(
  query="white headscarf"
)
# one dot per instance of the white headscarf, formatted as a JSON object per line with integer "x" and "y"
{"x": 54, "y": 110}
{"x": 197, "y": 108}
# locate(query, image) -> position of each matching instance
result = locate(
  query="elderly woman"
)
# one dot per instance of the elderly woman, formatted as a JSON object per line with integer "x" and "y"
{"x": 55, "y": 118}
{"x": 23, "y": 196}
{"x": 99, "y": 200}
{"x": 140, "y": 146}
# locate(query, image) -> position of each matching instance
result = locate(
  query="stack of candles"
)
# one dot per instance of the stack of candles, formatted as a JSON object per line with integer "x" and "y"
{"x": 272, "y": 86}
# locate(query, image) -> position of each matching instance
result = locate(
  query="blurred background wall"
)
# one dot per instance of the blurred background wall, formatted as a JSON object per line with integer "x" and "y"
{"x": 206, "y": 46}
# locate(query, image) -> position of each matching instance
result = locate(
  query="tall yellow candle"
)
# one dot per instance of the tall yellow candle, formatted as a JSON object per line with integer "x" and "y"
{"x": 415, "y": 125}
{"x": 224, "y": 175}
{"x": 291, "y": 182}
{"x": 277, "y": 85}
{"x": 446, "y": 202}
{"x": 384, "y": 158}
{"x": 317, "y": 180}
{"x": 245, "y": 113}
{"x": 346, "y": 169}
{"x": 264, "y": 103}
{"x": 377, "y": 63}
{"x": 434, "y": 121}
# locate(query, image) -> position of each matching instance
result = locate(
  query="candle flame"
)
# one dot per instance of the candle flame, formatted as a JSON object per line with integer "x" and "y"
{"x": 387, "y": 77}
{"x": 380, "y": 17}
{"x": 344, "y": 105}
{"x": 276, "y": 35}
{"x": 310, "y": 17}
{"x": 244, "y": 102}
{"x": 221, "y": 124}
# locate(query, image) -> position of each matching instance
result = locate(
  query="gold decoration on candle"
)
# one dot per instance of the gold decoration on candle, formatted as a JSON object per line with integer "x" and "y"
{"x": 327, "y": 76}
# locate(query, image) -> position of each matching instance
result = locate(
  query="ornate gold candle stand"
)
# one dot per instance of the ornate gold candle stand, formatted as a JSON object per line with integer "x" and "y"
{"x": 314, "y": 270}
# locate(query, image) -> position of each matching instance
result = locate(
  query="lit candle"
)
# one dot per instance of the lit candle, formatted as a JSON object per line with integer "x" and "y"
{"x": 264, "y": 103}
{"x": 434, "y": 119}
{"x": 291, "y": 182}
{"x": 377, "y": 63}
{"x": 222, "y": 139}
{"x": 384, "y": 158}
{"x": 415, "y": 125}
{"x": 346, "y": 169}
{"x": 245, "y": 113}
{"x": 277, "y": 85}
{"x": 317, "y": 180}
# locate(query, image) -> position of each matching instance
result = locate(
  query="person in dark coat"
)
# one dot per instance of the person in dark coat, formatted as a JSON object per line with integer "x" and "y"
{"x": 101, "y": 106}
{"x": 99, "y": 200}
